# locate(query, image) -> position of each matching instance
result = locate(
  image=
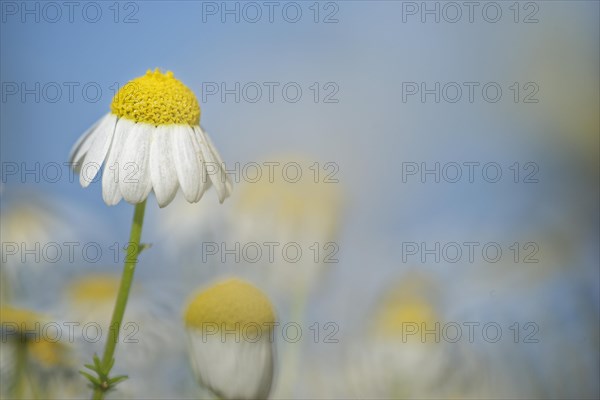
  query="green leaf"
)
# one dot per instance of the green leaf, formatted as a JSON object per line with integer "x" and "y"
{"x": 91, "y": 378}
{"x": 117, "y": 379}
{"x": 90, "y": 366}
{"x": 97, "y": 362}
{"x": 110, "y": 365}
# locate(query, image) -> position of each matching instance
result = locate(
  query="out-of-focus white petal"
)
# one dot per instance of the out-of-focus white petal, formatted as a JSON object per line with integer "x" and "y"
{"x": 162, "y": 171}
{"x": 188, "y": 165}
{"x": 134, "y": 179}
{"x": 233, "y": 368}
{"x": 97, "y": 153}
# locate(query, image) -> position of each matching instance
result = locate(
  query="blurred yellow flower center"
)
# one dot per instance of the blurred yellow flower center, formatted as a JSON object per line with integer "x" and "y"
{"x": 290, "y": 203}
{"x": 408, "y": 310}
{"x": 231, "y": 305}
{"x": 22, "y": 320}
{"x": 48, "y": 353}
{"x": 95, "y": 288}
{"x": 394, "y": 318}
{"x": 157, "y": 99}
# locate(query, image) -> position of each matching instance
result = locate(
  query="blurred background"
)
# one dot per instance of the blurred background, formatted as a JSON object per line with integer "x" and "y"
{"x": 449, "y": 179}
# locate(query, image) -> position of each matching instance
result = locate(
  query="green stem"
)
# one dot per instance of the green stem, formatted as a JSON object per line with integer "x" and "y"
{"x": 123, "y": 295}
{"x": 20, "y": 369}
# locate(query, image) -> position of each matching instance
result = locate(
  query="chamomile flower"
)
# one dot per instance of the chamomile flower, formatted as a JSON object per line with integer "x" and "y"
{"x": 90, "y": 299}
{"x": 292, "y": 206}
{"x": 27, "y": 224}
{"x": 151, "y": 140}
{"x": 33, "y": 358}
{"x": 146, "y": 337}
{"x": 403, "y": 354}
{"x": 230, "y": 328}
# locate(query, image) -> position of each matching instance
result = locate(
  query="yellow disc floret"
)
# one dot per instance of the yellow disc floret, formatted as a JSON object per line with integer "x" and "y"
{"x": 396, "y": 317}
{"x": 96, "y": 288}
{"x": 157, "y": 99}
{"x": 293, "y": 202}
{"x": 24, "y": 321}
{"x": 47, "y": 352}
{"x": 31, "y": 326}
{"x": 407, "y": 306}
{"x": 233, "y": 305}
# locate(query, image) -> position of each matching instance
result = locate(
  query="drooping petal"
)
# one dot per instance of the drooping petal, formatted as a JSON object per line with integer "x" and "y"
{"x": 217, "y": 155}
{"x": 214, "y": 168}
{"x": 204, "y": 179}
{"x": 188, "y": 165}
{"x": 162, "y": 171}
{"x": 111, "y": 175}
{"x": 134, "y": 179}
{"x": 97, "y": 153}
{"x": 84, "y": 142}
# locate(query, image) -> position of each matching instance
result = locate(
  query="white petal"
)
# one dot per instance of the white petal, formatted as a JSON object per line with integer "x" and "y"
{"x": 203, "y": 176}
{"x": 110, "y": 177}
{"x": 134, "y": 179}
{"x": 217, "y": 155}
{"x": 97, "y": 153}
{"x": 233, "y": 368}
{"x": 162, "y": 170}
{"x": 188, "y": 164}
{"x": 84, "y": 142}
{"x": 214, "y": 167}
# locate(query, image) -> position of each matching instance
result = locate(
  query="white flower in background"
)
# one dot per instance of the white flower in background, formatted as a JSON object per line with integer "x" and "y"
{"x": 91, "y": 297}
{"x": 395, "y": 359}
{"x": 146, "y": 339}
{"x": 230, "y": 330}
{"x": 151, "y": 141}
{"x": 183, "y": 226}
{"x": 27, "y": 226}
{"x": 35, "y": 359}
{"x": 290, "y": 206}
{"x": 298, "y": 208}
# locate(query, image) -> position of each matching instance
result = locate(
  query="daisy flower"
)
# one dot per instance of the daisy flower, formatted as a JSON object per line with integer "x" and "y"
{"x": 286, "y": 209}
{"x": 230, "y": 329}
{"x": 397, "y": 358}
{"x": 147, "y": 339}
{"x": 27, "y": 224}
{"x": 291, "y": 207}
{"x": 151, "y": 140}
{"x": 33, "y": 359}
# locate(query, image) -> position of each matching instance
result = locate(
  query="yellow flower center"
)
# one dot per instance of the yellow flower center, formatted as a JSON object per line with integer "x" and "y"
{"x": 232, "y": 305}
{"x": 46, "y": 352}
{"x": 409, "y": 309}
{"x": 21, "y": 319}
{"x": 96, "y": 288}
{"x": 32, "y": 326}
{"x": 157, "y": 99}
{"x": 292, "y": 202}
{"x": 394, "y": 319}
